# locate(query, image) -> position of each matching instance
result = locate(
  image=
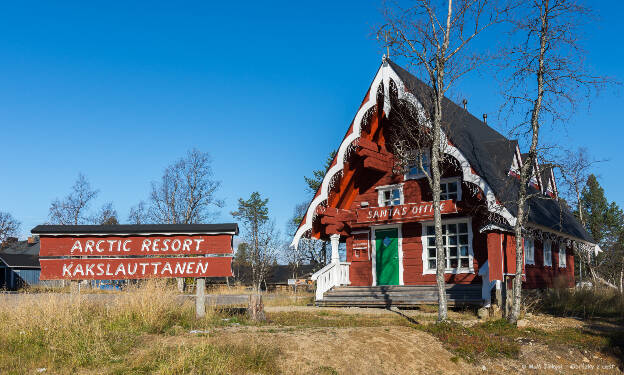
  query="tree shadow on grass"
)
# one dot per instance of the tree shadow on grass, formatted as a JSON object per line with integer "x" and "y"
{"x": 405, "y": 316}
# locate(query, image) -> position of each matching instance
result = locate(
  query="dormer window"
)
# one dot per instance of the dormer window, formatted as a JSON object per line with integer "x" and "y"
{"x": 390, "y": 195}
{"x": 414, "y": 169}
{"x": 450, "y": 188}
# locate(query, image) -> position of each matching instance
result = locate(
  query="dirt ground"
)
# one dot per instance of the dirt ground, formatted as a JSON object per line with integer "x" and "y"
{"x": 401, "y": 350}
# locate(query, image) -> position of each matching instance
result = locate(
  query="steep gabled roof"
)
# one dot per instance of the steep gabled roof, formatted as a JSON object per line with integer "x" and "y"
{"x": 488, "y": 153}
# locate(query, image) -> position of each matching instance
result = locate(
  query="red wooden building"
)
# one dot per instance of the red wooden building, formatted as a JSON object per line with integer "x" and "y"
{"x": 384, "y": 214}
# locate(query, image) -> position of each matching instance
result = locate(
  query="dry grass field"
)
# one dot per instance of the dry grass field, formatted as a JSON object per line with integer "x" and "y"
{"x": 149, "y": 329}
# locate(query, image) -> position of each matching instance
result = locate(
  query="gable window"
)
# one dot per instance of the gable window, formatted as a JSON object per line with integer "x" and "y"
{"x": 457, "y": 242}
{"x": 391, "y": 195}
{"x": 562, "y": 256}
{"x": 414, "y": 170}
{"x": 548, "y": 253}
{"x": 529, "y": 251}
{"x": 450, "y": 188}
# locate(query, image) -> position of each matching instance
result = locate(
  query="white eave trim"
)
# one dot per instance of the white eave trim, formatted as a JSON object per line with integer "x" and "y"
{"x": 383, "y": 76}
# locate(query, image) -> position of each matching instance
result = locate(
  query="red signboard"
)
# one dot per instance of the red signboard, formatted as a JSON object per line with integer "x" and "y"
{"x": 134, "y": 268}
{"x": 135, "y": 245}
{"x": 421, "y": 211}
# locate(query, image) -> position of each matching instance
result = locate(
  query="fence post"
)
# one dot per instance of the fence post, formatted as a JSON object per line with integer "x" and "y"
{"x": 200, "y": 298}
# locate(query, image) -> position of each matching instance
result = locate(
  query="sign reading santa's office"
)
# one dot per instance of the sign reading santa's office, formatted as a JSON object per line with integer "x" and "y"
{"x": 380, "y": 209}
{"x": 118, "y": 252}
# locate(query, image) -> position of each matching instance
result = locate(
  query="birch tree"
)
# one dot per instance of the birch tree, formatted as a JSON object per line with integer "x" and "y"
{"x": 186, "y": 192}
{"x": 575, "y": 169}
{"x": 546, "y": 76}
{"x": 72, "y": 210}
{"x": 9, "y": 226}
{"x": 433, "y": 38}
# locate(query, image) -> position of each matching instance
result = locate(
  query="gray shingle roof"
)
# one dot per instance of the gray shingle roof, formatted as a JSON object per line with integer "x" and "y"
{"x": 21, "y": 254}
{"x": 491, "y": 154}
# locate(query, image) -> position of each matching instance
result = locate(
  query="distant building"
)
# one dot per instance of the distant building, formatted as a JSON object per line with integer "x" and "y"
{"x": 277, "y": 277}
{"x": 19, "y": 264}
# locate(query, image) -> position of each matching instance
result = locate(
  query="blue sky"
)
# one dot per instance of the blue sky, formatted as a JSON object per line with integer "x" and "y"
{"x": 119, "y": 90}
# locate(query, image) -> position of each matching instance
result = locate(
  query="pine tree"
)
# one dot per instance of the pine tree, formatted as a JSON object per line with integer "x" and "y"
{"x": 242, "y": 254}
{"x": 316, "y": 180}
{"x": 604, "y": 220}
{"x": 259, "y": 233}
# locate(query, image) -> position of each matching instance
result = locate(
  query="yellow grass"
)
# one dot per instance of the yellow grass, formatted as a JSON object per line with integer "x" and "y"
{"x": 63, "y": 333}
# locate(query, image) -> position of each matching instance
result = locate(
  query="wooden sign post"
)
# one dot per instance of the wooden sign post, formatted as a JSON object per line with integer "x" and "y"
{"x": 124, "y": 252}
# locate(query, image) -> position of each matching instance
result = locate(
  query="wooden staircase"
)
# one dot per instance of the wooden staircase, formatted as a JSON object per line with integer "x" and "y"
{"x": 399, "y": 295}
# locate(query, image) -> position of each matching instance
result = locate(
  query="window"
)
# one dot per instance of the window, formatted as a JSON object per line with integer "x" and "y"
{"x": 414, "y": 170}
{"x": 390, "y": 195}
{"x": 456, "y": 237}
{"x": 562, "y": 256}
{"x": 529, "y": 251}
{"x": 360, "y": 246}
{"x": 450, "y": 189}
{"x": 548, "y": 253}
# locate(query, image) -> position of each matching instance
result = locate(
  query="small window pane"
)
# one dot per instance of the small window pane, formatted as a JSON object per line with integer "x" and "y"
{"x": 463, "y": 239}
{"x": 432, "y": 253}
{"x": 452, "y": 187}
{"x": 454, "y": 263}
{"x": 432, "y": 264}
{"x": 464, "y": 251}
{"x": 452, "y": 196}
{"x": 430, "y": 230}
{"x": 452, "y": 228}
{"x": 453, "y": 252}
{"x": 443, "y": 188}
{"x": 431, "y": 241}
{"x": 463, "y": 228}
{"x": 452, "y": 240}
{"x": 464, "y": 263}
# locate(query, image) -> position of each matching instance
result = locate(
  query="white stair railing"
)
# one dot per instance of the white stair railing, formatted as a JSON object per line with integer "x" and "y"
{"x": 333, "y": 274}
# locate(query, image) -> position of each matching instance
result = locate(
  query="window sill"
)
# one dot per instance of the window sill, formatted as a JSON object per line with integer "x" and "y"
{"x": 451, "y": 271}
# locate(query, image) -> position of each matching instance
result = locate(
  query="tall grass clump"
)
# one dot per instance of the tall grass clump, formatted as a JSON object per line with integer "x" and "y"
{"x": 64, "y": 332}
{"x": 583, "y": 303}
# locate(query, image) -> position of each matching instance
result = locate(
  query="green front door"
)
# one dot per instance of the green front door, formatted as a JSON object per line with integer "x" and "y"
{"x": 387, "y": 256}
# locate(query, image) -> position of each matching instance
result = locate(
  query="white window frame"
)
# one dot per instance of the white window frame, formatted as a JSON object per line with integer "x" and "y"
{"x": 562, "y": 259}
{"x": 448, "y": 180}
{"x": 529, "y": 243}
{"x": 458, "y": 270}
{"x": 547, "y": 245}
{"x": 420, "y": 174}
{"x": 382, "y": 189}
